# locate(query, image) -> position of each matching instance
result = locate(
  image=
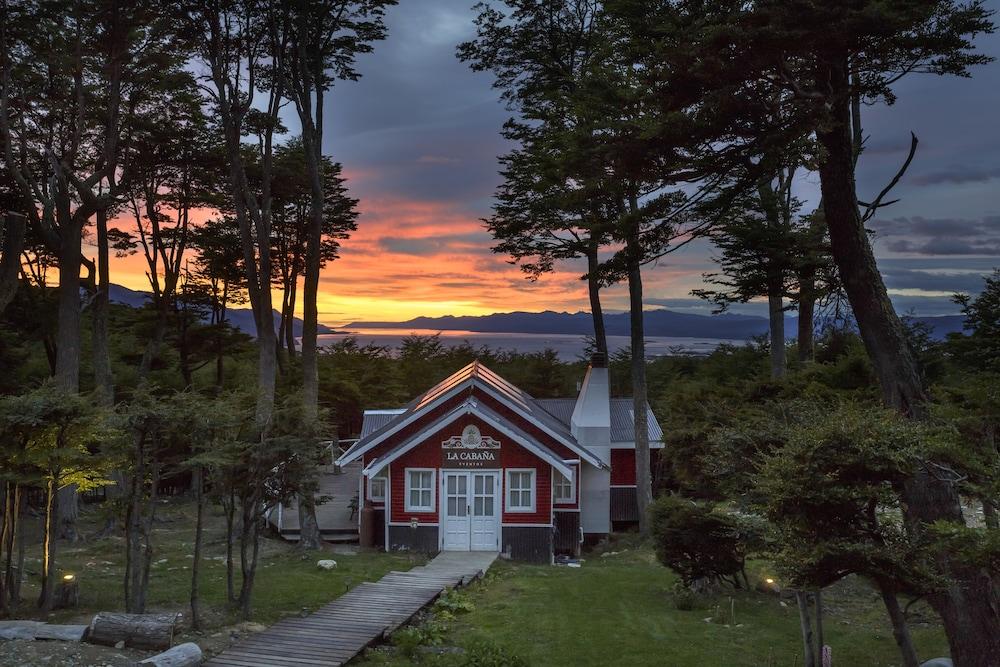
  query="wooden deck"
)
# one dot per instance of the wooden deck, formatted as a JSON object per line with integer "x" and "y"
{"x": 367, "y": 613}
{"x": 336, "y": 522}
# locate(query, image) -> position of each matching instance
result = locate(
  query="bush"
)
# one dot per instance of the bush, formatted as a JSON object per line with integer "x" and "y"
{"x": 408, "y": 641}
{"x": 697, "y": 540}
{"x": 684, "y": 598}
{"x": 453, "y": 603}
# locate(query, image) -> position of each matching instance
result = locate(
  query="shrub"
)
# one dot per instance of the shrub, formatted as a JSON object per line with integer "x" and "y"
{"x": 684, "y": 598}
{"x": 490, "y": 655}
{"x": 697, "y": 540}
{"x": 454, "y": 603}
{"x": 408, "y": 641}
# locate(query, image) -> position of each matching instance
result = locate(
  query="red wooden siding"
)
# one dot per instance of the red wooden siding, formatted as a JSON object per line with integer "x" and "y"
{"x": 428, "y": 455}
{"x": 623, "y": 466}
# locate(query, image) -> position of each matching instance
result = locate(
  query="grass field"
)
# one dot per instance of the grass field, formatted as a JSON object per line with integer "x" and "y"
{"x": 618, "y": 610}
{"x": 287, "y": 582}
{"x": 615, "y": 610}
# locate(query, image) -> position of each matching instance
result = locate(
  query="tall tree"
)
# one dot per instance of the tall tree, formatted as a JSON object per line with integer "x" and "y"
{"x": 171, "y": 161}
{"x": 325, "y": 41}
{"x": 551, "y": 205}
{"x": 243, "y": 44}
{"x": 70, "y": 75}
{"x": 827, "y": 56}
{"x": 292, "y": 222}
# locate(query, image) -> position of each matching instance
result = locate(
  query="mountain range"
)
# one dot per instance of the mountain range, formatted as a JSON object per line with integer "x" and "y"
{"x": 658, "y": 322}
{"x": 239, "y": 318}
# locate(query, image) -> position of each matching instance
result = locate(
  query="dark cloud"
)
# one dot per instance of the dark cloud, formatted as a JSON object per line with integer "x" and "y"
{"x": 946, "y": 280}
{"x": 476, "y": 242}
{"x": 958, "y": 174}
{"x": 941, "y": 236}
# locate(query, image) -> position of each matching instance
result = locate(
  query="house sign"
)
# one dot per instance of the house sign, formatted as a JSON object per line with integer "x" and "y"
{"x": 472, "y": 449}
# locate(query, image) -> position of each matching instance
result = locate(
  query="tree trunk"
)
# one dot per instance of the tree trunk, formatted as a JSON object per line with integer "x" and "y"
{"x": 805, "y": 624}
{"x": 143, "y": 631}
{"x": 69, "y": 513}
{"x": 807, "y": 314}
{"x": 820, "y": 639}
{"x": 309, "y": 535}
{"x": 990, "y": 514}
{"x": 103, "y": 378}
{"x": 643, "y": 477}
{"x": 6, "y": 545}
{"x": 68, "y": 328}
{"x": 10, "y": 264}
{"x": 594, "y": 291}
{"x": 49, "y": 544}
{"x": 776, "y": 328}
{"x": 970, "y": 607}
{"x": 310, "y": 288}
{"x": 183, "y": 655}
{"x": 900, "y": 631}
{"x": 290, "y": 325}
{"x": 199, "y": 490}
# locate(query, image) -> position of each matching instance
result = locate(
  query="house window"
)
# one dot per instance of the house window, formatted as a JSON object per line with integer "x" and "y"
{"x": 376, "y": 488}
{"x": 419, "y": 490}
{"x": 520, "y": 490}
{"x": 562, "y": 488}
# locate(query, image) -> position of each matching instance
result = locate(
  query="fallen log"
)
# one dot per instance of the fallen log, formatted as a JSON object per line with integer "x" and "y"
{"x": 182, "y": 655}
{"x": 40, "y": 630}
{"x": 149, "y": 631}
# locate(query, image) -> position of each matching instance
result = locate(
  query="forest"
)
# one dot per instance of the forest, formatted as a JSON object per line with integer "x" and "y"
{"x": 857, "y": 445}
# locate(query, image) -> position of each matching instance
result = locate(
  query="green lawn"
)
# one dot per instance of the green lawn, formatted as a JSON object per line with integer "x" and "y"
{"x": 615, "y": 610}
{"x": 287, "y": 580}
{"x": 618, "y": 610}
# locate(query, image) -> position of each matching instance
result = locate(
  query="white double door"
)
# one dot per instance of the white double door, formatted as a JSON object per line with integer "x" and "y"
{"x": 470, "y": 511}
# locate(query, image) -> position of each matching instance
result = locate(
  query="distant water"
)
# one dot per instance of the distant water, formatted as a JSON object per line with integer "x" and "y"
{"x": 569, "y": 347}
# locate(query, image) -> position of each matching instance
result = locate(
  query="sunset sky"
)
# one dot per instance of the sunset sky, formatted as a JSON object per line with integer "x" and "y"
{"x": 419, "y": 137}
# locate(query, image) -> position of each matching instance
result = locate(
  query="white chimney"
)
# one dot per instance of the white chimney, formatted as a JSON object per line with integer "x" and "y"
{"x": 591, "y": 421}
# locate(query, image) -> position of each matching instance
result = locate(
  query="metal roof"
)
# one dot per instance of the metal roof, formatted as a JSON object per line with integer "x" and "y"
{"x": 376, "y": 419}
{"x": 622, "y": 428}
{"x": 380, "y": 422}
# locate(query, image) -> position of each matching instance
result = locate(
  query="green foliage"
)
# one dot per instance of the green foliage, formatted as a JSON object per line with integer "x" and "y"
{"x": 408, "y": 641}
{"x": 683, "y": 597}
{"x": 699, "y": 540}
{"x": 488, "y": 654}
{"x": 49, "y": 434}
{"x": 454, "y": 602}
{"x": 831, "y": 493}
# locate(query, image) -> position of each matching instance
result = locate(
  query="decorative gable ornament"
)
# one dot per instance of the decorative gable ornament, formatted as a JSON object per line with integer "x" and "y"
{"x": 471, "y": 438}
{"x": 472, "y": 449}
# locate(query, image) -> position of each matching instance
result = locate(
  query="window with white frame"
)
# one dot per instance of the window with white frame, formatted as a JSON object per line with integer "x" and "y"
{"x": 520, "y": 490}
{"x": 376, "y": 488}
{"x": 419, "y": 490}
{"x": 562, "y": 488}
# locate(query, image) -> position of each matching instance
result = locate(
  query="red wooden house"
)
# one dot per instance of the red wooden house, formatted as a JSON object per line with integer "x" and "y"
{"x": 477, "y": 464}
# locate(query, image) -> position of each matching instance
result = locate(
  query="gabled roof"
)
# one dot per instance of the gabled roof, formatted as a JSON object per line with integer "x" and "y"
{"x": 622, "y": 429}
{"x": 478, "y": 376}
{"x": 471, "y": 406}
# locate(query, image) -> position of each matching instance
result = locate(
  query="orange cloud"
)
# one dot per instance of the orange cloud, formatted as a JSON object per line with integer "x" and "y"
{"x": 411, "y": 258}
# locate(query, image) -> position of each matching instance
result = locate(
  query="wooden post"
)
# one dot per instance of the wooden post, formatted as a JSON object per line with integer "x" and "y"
{"x": 67, "y": 593}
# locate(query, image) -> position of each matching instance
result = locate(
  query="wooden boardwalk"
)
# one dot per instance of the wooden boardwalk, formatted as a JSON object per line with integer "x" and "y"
{"x": 367, "y": 613}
